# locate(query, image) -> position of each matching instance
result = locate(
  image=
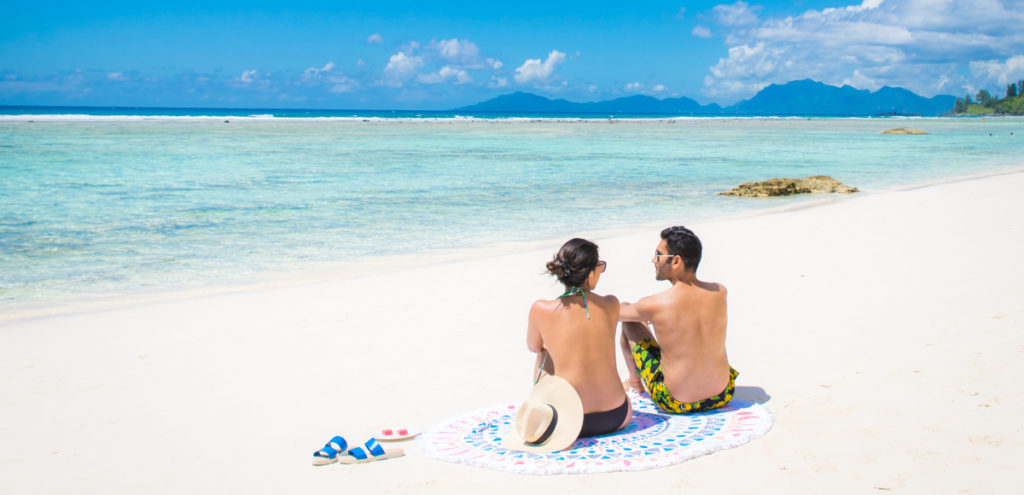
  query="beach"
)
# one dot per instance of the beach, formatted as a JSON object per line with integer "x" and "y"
{"x": 882, "y": 330}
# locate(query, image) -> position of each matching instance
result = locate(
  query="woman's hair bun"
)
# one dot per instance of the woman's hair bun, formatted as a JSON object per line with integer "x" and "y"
{"x": 574, "y": 262}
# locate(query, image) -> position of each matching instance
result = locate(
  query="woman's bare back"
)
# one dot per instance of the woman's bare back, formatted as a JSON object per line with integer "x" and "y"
{"x": 583, "y": 350}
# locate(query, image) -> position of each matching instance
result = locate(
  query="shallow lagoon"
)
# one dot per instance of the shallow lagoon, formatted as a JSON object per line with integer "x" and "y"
{"x": 114, "y": 206}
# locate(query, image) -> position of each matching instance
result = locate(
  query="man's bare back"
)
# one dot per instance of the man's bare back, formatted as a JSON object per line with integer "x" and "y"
{"x": 689, "y": 321}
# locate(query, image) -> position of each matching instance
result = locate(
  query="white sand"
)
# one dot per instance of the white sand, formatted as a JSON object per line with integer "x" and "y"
{"x": 886, "y": 330}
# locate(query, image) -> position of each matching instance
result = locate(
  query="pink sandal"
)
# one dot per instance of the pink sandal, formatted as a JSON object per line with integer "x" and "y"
{"x": 396, "y": 434}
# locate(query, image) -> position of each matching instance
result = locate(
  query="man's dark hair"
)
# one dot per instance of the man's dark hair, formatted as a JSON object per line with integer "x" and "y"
{"x": 684, "y": 243}
{"x": 574, "y": 262}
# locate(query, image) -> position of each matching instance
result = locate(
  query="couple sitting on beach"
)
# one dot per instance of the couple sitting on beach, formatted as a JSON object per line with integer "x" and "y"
{"x": 578, "y": 392}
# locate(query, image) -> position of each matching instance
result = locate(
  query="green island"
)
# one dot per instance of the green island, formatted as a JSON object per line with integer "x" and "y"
{"x": 987, "y": 104}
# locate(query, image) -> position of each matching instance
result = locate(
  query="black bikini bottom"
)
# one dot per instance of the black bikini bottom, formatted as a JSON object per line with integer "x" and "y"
{"x": 599, "y": 423}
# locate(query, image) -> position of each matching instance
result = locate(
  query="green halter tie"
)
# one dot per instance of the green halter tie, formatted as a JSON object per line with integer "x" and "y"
{"x": 576, "y": 291}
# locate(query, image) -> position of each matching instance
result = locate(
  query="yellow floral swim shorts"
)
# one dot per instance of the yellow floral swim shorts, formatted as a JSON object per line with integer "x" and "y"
{"x": 647, "y": 358}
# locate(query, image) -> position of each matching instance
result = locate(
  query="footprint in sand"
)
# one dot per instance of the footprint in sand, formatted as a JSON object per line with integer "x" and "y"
{"x": 987, "y": 440}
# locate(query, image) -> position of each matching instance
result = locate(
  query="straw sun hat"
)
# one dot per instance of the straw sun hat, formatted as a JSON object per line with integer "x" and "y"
{"x": 549, "y": 419}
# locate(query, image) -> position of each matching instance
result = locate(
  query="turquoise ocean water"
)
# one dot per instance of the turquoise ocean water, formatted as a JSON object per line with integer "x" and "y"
{"x": 106, "y": 205}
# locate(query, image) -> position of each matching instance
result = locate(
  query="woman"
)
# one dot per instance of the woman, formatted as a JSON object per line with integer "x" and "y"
{"x": 574, "y": 338}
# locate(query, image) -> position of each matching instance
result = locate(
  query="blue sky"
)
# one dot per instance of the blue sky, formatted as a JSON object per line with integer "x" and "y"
{"x": 439, "y": 55}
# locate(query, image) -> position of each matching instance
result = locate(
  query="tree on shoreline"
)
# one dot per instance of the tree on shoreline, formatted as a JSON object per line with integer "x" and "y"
{"x": 984, "y": 98}
{"x": 988, "y": 104}
{"x": 961, "y": 105}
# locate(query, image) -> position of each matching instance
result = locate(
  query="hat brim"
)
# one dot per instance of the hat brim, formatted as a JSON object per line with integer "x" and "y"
{"x": 561, "y": 395}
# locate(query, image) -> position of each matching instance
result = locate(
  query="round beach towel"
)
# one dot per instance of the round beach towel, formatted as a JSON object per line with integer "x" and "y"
{"x": 652, "y": 439}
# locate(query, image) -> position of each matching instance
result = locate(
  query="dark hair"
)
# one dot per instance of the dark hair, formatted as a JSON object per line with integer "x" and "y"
{"x": 574, "y": 262}
{"x": 684, "y": 243}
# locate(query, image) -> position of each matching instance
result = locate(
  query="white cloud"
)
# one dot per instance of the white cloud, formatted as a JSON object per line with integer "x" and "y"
{"x": 859, "y": 80}
{"x": 440, "y": 61}
{"x": 342, "y": 84}
{"x": 757, "y": 60}
{"x": 533, "y": 70}
{"x": 463, "y": 54}
{"x": 458, "y": 51}
{"x": 374, "y": 39}
{"x": 313, "y": 75}
{"x": 737, "y": 14}
{"x": 446, "y": 73}
{"x": 681, "y": 14}
{"x": 995, "y": 73}
{"x": 401, "y": 66}
{"x": 459, "y": 75}
{"x": 249, "y": 76}
{"x": 700, "y": 32}
{"x": 639, "y": 87}
{"x": 327, "y": 76}
{"x": 117, "y": 76}
{"x": 497, "y": 82}
{"x": 924, "y": 46}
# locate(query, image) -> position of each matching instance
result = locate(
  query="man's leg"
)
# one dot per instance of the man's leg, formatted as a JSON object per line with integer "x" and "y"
{"x": 633, "y": 332}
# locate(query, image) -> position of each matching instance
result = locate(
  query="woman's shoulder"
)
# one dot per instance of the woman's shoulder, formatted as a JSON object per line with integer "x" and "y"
{"x": 544, "y": 305}
{"x": 606, "y": 299}
{"x": 608, "y": 303}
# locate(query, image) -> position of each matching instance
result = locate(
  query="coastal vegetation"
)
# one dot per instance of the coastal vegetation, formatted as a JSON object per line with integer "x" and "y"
{"x": 985, "y": 103}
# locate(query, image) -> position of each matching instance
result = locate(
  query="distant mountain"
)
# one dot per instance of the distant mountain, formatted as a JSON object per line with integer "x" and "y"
{"x": 804, "y": 98}
{"x": 809, "y": 97}
{"x": 531, "y": 103}
{"x": 519, "y": 102}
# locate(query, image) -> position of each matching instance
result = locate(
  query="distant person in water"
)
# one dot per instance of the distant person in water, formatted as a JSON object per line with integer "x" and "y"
{"x": 574, "y": 338}
{"x": 682, "y": 363}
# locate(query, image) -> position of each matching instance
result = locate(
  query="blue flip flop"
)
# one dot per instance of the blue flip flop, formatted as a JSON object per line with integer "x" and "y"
{"x": 330, "y": 452}
{"x": 372, "y": 452}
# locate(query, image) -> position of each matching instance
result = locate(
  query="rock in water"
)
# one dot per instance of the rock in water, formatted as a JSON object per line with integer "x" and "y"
{"x": 903, "y": 130}
{"x": 787, "y": 187}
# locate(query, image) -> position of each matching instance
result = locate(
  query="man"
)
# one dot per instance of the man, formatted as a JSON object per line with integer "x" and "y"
{"x": 685, "y": 368}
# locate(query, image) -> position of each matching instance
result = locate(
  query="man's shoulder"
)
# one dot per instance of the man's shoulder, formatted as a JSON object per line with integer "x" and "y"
{"x": 714, "y": 287}
{"x": 687, "y": 295}
{"x": 711, "y": 287}
{"x": 651, "y": 298}
{"x": 657, "y": 301}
